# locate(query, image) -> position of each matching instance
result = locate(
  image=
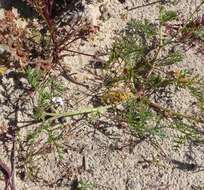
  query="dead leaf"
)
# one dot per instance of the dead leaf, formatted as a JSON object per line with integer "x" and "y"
{"x": 3, "y": 69}
{"x": 9, "y": 15}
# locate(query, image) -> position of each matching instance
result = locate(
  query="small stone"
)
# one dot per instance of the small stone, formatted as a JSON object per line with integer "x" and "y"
{"x": 2, "y": 14}
{"x": 133, "y": 184}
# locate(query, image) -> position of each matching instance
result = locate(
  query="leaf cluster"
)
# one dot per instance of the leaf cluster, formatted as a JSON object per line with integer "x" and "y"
{"x": 44, "y": 90}
{"x": 141, "y": 57}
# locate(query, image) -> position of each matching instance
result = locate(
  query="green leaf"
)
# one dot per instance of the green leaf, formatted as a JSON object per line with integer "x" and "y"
{"x": 166, "y": 16}
{"x": 172, "y": 58}
{"x": 33, "y": 77}
{"x": 199, "y": 33}
{"x": 138, "y": 115}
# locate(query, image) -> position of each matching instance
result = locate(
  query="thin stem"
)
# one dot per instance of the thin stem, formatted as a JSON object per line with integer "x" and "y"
{"x": 13, "y": 162}
{"x": 153, "y": 62}
{"x": 195, "y": 11}
{"x": 145, "y": 5}
{"x": 74, "y": 113}
{"x": 189, "y": 19}
{"x": 7, "y": 174}
{"x": 69, "y": 42}
{"x": 77, "y": 52}
{"x": 169, "y": 113}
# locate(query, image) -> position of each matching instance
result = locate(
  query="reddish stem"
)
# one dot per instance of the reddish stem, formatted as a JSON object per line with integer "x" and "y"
{"x": 7, "y": 175}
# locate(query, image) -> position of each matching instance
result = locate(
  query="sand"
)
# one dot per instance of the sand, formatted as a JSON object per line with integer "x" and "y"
{"x": 91, "y": 148}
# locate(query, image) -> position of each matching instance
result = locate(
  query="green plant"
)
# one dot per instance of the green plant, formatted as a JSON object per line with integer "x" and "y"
{"x": 33, "y": 76}
{"x": 140, "y": 60}
{"x": 84, "y": 185}
{"x": 44, "y": 91}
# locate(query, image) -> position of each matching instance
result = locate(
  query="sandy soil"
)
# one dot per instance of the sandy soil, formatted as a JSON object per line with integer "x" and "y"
{"x": 92, "y": 149}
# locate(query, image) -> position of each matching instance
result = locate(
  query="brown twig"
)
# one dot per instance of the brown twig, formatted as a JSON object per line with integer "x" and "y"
{"x": 13, "y": 163}
{"x": 169, "y": 113}
{"x": 145, "y": 5}
{"x": 76, "y": 52}
{"x": 7, "y": 175}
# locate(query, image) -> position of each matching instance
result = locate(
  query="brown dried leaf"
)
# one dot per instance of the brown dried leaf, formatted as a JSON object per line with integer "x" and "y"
{"x": 9, "y": 15}
{"x": 12, "y": 36}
